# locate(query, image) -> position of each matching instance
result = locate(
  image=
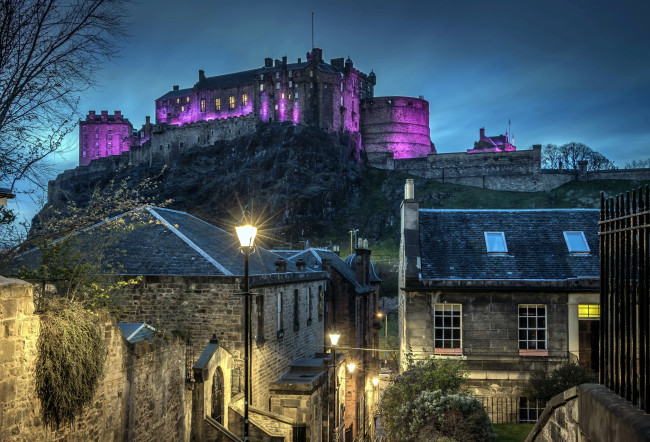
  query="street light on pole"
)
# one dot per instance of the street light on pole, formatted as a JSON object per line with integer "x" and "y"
{"x": 334, "y": 339}
{"x": 246, "y": 235}
{"x": 385, "y": 316}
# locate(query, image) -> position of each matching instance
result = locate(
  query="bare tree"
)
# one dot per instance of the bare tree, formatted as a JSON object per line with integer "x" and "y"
{"x": 570, "y": 155}
{"x": 49, "y": 52}
{"x": 638, "y": 164}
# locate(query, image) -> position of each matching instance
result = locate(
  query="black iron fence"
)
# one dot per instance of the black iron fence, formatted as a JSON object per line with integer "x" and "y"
{"x": 624, "y": 269}
{"x": 511, "y": 410}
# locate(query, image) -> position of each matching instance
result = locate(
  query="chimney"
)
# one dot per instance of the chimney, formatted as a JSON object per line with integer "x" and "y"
{"x": 118, "y": 115}
{"x": 104, "y": 115}
{"x": 280, "y": 266}
{"x": 284, "y": 61}
{"x": 147, "y": 120}
{"x": 316, "y": 55}
{"x": 299, "y": 60}
{"x": 91, "y": 116}
{"x": 175, "y": 87}
{"x": 409, "y": 236}
{"x": 201, "y": 75}
{"x": 301, "y": 265}
{"x": 277, "y": 63}
{"x": 268, "y": 62}
{"x": 481, "y": 133}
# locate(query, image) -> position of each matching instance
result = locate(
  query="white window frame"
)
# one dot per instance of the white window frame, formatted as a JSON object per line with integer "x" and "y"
{"x": 530, "y": 326}
{"x": 447, "y": 331}
{"x": 581, "y": 234}
{"x": 503, "y": 239}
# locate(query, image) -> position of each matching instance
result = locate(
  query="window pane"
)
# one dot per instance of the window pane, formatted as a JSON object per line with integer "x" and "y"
{"x": 576, "y": 242}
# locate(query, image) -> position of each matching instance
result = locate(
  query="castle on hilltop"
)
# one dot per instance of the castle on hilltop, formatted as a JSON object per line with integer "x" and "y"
{"x": 333, "y": 96}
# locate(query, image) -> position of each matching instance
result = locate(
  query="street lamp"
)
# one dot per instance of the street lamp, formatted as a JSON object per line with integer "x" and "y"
{"x": 334, "y": 339}
{"x": 381, "y": 315}
{"x": 246, "y": 235}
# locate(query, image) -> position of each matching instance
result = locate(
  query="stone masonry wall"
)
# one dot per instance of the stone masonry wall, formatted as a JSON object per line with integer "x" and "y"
{"x": 201, "y": 306}
{"x": 127, "y": 403}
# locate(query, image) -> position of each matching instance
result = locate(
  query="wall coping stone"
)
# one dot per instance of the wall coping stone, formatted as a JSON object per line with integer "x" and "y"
{"x": 555, "y": 402}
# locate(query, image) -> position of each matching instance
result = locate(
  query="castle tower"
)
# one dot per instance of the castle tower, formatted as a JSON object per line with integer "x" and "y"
{"x": 103, "y": 135}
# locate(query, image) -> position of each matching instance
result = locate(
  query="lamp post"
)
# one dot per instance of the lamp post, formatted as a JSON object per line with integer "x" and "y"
{"x": 385, "y": 316}
{"x": 334, "y": 338}
{"x": 246, "y": 235}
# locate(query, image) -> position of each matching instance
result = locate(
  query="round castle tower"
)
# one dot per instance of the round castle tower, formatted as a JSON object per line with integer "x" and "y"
{"x": 397, "y": 125}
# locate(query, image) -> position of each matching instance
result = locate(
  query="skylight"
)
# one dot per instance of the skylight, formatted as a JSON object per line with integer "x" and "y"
{"x": 576, "y": 242}
{"x": 495, "y": 242}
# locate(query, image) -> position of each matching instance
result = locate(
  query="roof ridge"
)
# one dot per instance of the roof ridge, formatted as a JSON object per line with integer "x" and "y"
{"x": 189, "y": 242}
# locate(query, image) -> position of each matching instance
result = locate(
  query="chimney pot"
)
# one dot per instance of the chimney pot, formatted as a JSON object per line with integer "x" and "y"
{"x": 268, "y": 62}
{"x": 201, "y": 74}
{"x": 409, "y": 191}
{"x": 175, "y": 87}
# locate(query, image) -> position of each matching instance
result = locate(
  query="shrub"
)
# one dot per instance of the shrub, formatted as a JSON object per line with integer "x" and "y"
{"x": 543, "y": 386}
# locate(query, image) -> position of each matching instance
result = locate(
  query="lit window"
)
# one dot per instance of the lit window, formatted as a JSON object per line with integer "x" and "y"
{"x": 495, "y": 242}
{"x": 261, "y": 87}
{"x": 290, "y": 83}
{"x": 283, "y": 95}
{"x": 277, "y": 85}
{"x": 231, "y": 102}
{"x": 276, "y": 107}
{"x": 182, "y": 108}
{"x": 178, "y": 101}
{"x": 447, "y": 328}
{"x": 110, "y": 145}
{"x": 576, "y": 242}
{"x": 289, "y": 96}
{"x": 203, "y": 105}
{"x": 217, "y": 103}
{"x": 589, "y": 311}
{"x": 341, "y": 101}
{"x": 277, "y": 75}
{"x": 532, "y": 327}
{"x": 187, "y": 100}
{"x": 261, "y": 76}
{"x": 290, "y": 73}
{"x": 296, "y": 95}
{"x": 96, "y": 136}
{"x": 84, "y": 154}
{"x": 311, "y": 73}
{"x": 244, "y": 99}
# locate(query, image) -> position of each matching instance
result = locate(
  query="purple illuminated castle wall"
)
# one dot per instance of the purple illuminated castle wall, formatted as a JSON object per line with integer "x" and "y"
{"x": 399, "y": 125}
{"x": 103, "y": 135}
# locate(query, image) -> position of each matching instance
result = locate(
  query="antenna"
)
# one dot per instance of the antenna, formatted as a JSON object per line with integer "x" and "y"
{"x": 312, "y": 30}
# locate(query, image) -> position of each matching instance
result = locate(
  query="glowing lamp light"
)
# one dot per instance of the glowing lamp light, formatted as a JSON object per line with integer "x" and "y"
{"x": 334, "y": 337}
{"x": 375, "y": 381}
{"x": 246, "y": 235}
{"x": 351, "y": 367}
{"x": 380, "y": 315}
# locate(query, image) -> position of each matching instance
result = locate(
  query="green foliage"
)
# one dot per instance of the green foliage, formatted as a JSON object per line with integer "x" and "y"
{"x": 70, "y": 361}
{"x": 442, "y": 375}
{"x": 543, "y": 386}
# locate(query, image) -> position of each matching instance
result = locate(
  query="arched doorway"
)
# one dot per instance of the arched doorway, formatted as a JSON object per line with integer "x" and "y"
{"x": 217, "y": 396}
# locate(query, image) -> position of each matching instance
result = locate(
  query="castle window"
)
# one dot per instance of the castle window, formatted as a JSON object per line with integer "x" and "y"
{"x": 495, "y": 242}
{"x": 83, "y": 128}
{"x": 97, "y": 154}
{"x": 123, "y": 129}
{"x": 576, "y": 242}
{"x": 289, "y": 96}
{"x": 217, "y": 103}
{"x": 290, "y": 73}
{"x": 85, "y": 136}
{"x": 231, "y": 102}
{"x": 341, "y": 87}
{"x": 178, "y": 101}
{"x": 203, "y": 105}
{"x": 96, "y": 145}
{"x": 182, "y": 108}
{"x": 311, "y": 85}
{"x": 83, "y": 154}
{"x": 277, "y": 75}
{"x": 276, "y": 107}
{"x": 277, "y": 85}
{"x": 311, "y": 73}
{"x": 341, "y": 101}
{"x": 261, "y": 87}
{"x": 96, "y": 136}
{"x": 85, "y": 145}
{"x": 296, "y": 95}
{"x": 110, "y": 137}
{"x": 187, "y": 100}
{"x": 282, "y": 95}
{"x": 110, "y": 145}
{"x": 290, "y": 83}
{"x": 261, "y": 76}
{"x": 244, "y": 99}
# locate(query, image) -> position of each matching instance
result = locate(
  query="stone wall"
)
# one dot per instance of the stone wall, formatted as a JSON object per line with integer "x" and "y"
{"x": 200, "y": 306}
{"x": 141, "y": 396}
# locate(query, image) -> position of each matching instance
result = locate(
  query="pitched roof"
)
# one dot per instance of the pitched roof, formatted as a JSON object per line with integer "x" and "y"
{"x": 453, "y": 245}
{"x": 159, "y": 241}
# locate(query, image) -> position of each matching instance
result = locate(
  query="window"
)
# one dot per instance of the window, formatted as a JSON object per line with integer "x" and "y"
{"x": 110, "y": 137}
{"x": 277, "y": 85}
{"x": 85, "y": 145}
{"x": 532, "y": 330}
{"x": 85, "y": 136}
{"x": 296, "y": 95}
{"x": 576, "y": 242}
{"x": 290, "y": 83}
{"x": 178, "y": 101}
{"x": 447, "y": 328}
{"x": 110, "y": 145}
{"x": 260, "y": 317}
{"x": 203, "y": 105}
{"x": 310, "y": 305}
{"x": 96, "y": 136}
{"x": 83, "y": 154}
{"x": 123, "y": 129}
{"x": 187, "y": 99}
{"x": 277, "y": 75}
{"x": 182, "y": 108}
{"x": 231, "y": 102}
{"x": 529, "y": 411}
{"x": 589, "y": 311}
{"x": 495, "y": 242}
{"x": 320, "y": 303}
{"x": 83, "y": 128}
{"x": 261, "y": 87}
{"x": 217, "y": 103}
{"x": 296, "y": 310}
{"x": 244, "y": 99}
{"x": 280, "y": 318}
{"x": 290, "y": 73}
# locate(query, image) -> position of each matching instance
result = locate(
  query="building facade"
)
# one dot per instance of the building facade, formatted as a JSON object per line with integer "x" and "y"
{"x": 507, "y": 291}
{"x": 103, "y": 135}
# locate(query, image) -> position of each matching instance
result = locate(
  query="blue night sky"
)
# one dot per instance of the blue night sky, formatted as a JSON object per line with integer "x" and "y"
{"x": 561, "y": 71}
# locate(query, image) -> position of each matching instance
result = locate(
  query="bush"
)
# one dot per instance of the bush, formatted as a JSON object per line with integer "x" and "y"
{"x": 543, "y": 386}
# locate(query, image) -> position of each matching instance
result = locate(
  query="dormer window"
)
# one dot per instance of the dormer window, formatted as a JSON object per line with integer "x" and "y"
{"x": 495, "y": 242}
{"x": 576, "y": 242}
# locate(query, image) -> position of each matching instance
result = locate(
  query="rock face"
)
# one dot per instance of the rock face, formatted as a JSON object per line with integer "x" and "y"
{"x": 297, "y": 179}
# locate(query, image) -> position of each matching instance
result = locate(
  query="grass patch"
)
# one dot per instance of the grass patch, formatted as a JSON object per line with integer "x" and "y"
{"x": 512, "y": 432}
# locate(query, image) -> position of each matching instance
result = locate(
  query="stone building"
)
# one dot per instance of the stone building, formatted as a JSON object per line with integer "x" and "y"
{"x": 103, "y": 135}
{"x": 498, "y": 143}
{"x": 507, "y": 291}
{"x": 190, "y": 282}
{"x": 351, "y": 309}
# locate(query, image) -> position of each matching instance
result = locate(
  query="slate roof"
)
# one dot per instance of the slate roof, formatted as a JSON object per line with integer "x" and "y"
{"x": 313, "y": 258}
{"x": 175, "y": 94}
{"x": 168, "y": 242}
{"x": 452, "y": 244}
{"x": 136, "y": 331}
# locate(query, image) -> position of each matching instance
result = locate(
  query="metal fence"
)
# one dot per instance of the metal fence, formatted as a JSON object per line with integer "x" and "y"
{"x": 624, "y": 269}
{"x": 511, "y": 410}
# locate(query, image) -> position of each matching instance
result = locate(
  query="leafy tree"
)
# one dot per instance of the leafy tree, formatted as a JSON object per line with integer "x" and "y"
{"x": 569, "y": 156}
{"x": 50, "y": 51}
{"x": 638, "y": 164}
{"x": 542, "y": 386}
{"x": 425, "y": 375}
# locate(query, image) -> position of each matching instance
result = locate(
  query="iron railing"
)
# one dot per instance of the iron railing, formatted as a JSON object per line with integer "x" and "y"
{"x": 624, "y": 307}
